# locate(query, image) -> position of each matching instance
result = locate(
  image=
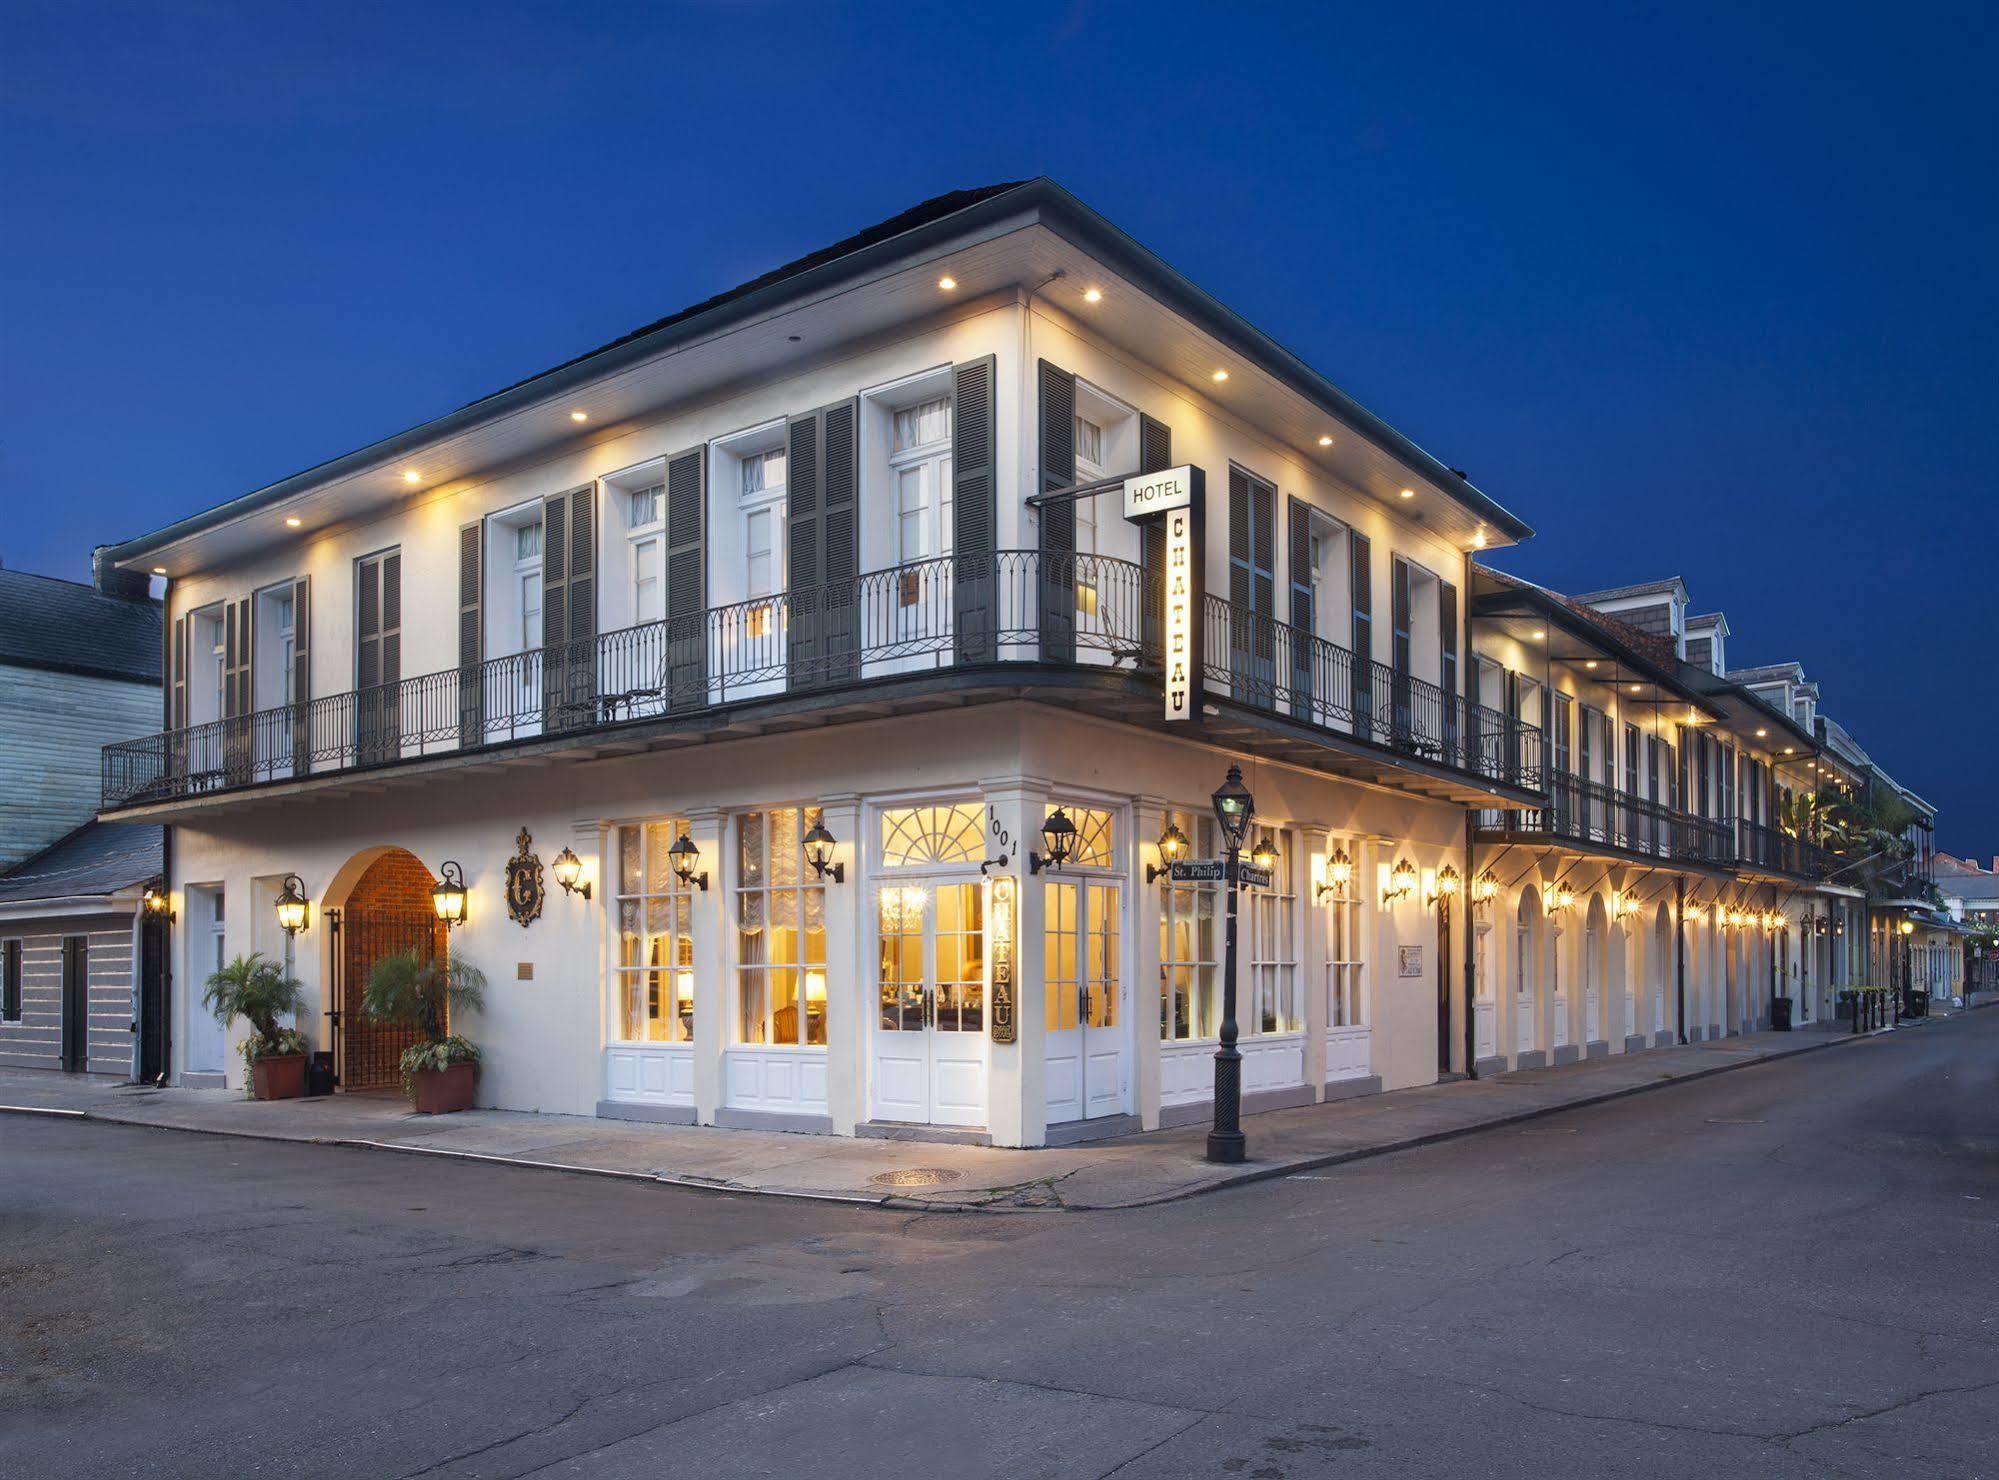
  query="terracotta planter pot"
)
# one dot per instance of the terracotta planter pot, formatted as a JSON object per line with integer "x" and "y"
{"x": 278, "y": 1077}
{"x": 441, "y": 1091}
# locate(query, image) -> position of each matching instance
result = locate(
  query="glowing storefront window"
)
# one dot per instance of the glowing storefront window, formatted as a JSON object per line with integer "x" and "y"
{"x": 780, "y": 931}
{"x": 655, "y": 968}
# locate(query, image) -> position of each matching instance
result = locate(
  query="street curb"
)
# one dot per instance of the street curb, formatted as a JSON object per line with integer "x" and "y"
{"x": 904, "y": 1203}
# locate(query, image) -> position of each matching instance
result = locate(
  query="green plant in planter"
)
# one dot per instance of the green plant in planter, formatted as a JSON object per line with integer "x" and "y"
{"x": 412, "y": 990}
{"x": 260, "y": 991}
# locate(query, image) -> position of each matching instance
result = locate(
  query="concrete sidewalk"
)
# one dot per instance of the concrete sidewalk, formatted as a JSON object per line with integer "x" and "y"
{"x": 1126, "y": 1172}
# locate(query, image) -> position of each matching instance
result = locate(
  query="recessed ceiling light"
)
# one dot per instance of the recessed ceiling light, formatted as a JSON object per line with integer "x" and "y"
{"x": 1633, "y": 689}
{"x": 1408, "y": 493}
{"x": 1093, "y": 295}
{"x": 579, "y": 416}
{"x": 1761, "y": 733}
{"x": 1589, "y": 663}
{"x": 1790, "y": 750}
{"x": 1220, "y": 376}
{"x": 1478, "y": 540}
{"x": 159, "y": 570}
{"x": 948, "y": 283}
{"x": 292, "y": 521}
{"x": 1325, "y": 441}
{"x": 411, "y": 475}
{"x": 1537, "y": 634}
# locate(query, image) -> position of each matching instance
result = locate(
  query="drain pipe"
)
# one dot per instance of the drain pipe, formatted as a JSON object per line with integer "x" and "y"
{"x": 1680, "y": 960}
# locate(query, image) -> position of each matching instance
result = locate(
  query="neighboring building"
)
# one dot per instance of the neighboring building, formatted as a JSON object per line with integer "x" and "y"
{"x": 76, "y": 945}
{"x": 79, "y": 669}
{"x": 802, "y": 621}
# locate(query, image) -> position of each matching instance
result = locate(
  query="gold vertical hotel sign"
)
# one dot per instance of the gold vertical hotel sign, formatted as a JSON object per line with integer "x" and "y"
{"x": 1000, "y": 952}
{"x": 1179, "y": 624}
{"x": 1176, "y": 496}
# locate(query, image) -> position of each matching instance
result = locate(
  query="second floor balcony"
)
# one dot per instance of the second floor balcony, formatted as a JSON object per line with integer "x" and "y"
{"x": 1764, "y": 849}
{"x": 953, "y": 625}
{"x": 1596, "y": 817}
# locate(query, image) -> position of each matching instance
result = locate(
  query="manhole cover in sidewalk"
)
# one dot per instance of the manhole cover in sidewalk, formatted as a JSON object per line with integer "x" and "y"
{"x": 916, "y": 1177}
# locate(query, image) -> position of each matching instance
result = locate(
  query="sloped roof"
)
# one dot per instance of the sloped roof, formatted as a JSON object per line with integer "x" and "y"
{"x": 1671, "y": 586}
{"x": 1653, "y": 649}
{"x": 98, "y": 859}
{"x": 69, "y": 627}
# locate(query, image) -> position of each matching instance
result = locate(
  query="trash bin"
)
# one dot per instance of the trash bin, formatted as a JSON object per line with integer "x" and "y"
{"x": 1780, "y": 1014}
{"x": 319, "y": 1074}
{"x": 1917, "y": 1002}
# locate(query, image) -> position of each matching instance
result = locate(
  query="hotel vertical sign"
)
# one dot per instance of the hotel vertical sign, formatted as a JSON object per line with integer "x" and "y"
{"x": 1000, "y": 949}
{"x": 1175, "y": 497}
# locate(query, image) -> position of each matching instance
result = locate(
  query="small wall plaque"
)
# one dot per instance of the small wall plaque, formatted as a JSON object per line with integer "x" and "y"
{"x": 1409, "y": 961}
{"x": 525, "y": 889}
{"x": 524, "y": 971}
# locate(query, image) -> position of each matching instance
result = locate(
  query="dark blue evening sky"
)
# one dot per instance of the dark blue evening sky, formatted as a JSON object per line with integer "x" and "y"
{"x": 1706, "y": 293}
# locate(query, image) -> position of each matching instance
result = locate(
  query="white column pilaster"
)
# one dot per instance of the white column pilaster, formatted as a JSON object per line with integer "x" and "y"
{"x": 713, "y": 997}
{"x": 850, "y": 998}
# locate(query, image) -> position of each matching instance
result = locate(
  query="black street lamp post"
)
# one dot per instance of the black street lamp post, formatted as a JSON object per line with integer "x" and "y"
{"x": 1233, "y": 807}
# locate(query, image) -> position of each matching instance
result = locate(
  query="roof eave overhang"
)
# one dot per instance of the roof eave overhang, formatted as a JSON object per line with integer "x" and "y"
{"x": 1521, "y": 601}
{"x": 1037, "y": 201}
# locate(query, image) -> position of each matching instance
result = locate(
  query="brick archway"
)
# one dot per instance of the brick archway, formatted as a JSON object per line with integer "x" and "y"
{"x": 389, "y": 909}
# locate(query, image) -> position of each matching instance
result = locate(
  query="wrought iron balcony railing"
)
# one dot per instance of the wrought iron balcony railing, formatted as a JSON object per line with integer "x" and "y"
{"x": 1763, "y": 847}
{"x": 968, "y": 612}
{"x": 1584, "y": 811}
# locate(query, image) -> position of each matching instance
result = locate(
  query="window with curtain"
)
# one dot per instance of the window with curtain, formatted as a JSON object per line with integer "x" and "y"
{"x": 647, "y": 536}
{"x": 780, "y": 910}
{"x": 1346, "y": 1006}
{"x": 920, "y": 470}
{"x": 1274, "y": 1006}
{"x": 655, "y": 987}
{"x": 1189, "y": 945}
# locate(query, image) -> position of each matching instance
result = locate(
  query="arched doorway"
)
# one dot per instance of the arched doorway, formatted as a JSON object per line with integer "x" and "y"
{"x": 1594, "y": 956}
{"x": 385, "y": 908}
{"x": 1526, "y": 973}
{"x": 1664, "y": 965}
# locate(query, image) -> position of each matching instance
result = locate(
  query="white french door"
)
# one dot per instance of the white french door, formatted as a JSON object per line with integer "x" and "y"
{"x": 1592, "y": 992}
{"x": 1558, "y": 999}
{"x": 1525, "y": 1038}
{"x": 1088, "y": 1026}
{"x": 930, "y": 1024}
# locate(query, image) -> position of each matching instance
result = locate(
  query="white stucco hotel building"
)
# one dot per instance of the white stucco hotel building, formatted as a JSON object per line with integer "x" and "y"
{"x": 811, "y": 555}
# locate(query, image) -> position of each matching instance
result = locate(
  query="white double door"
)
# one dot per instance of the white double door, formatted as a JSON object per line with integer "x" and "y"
{"x": 1592, "y": 992}
{"x": 1088, "y": 1021}
{"x": 929, "y": 1058}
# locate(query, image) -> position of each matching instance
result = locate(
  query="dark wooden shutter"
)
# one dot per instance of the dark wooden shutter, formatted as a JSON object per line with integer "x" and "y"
{"x": 237, "y": 723}
{"x": 1252, "y": 585}
{"x": 1055, "y": 396}
{"x": 377, "y": 656}
{"x": 1304, "y": 621}
{"x": 301, "y": 719}
{"x": 840, "y": 541}
{"x": 554, "y": 610}
{"x": 686, "y": 572}
{"x": 1447, "y": 648}
{"x": 1360, "y": 582}
{"x": 1155, "y": 455}
{"x": 471, "y": 633}
{"x": 804, "y": 537}
{"x": 175, "y": 759}
{"x": 822, "y": 488}
{"x": 975, "y": 511}
{"x": 579, "y": 661}
{"x": 1401, "y": 647}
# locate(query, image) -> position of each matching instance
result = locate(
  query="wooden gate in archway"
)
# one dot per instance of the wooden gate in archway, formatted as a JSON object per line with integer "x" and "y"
{"x": 388, "y": 911}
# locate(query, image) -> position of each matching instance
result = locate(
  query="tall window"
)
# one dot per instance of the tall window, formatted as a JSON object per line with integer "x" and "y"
{"x": 527, "y": 578}
{"x": 655, "y": 946}
{"x": 1273, "y": 948}
{"x": 1347, "y": 1007}
{"x": 284, "y": 636}
{"x": 920, "y": 468}
{"x": 1081, "y": 960}
{"x": 1188, "y": 946}
{"x": 763, "y": 503}
{"x": 646, "y": 519}
{"x": 780, "y": 931}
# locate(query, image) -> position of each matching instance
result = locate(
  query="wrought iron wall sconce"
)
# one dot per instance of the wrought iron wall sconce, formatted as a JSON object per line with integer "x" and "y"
{"x": 819, "y": 846}
{"x": 1339, "y": 875}
{"x": 294, "y": 911}
{"x": 686, "y": 859}
{"x": 1058, "y": 834}
{"x": 448, "y": 897}
{"x": 1173, "y": 846}
{"x": 568, "y": 869}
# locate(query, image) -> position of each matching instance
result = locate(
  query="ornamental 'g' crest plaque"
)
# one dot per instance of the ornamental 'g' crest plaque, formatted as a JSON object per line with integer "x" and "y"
{"x": 525, "y": 889}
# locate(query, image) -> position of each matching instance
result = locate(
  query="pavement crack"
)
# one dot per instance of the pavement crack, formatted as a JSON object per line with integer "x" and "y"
{"x": 1886, "y": 1408}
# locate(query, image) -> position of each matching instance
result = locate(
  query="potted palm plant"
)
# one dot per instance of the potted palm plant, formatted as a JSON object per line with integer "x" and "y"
{"x": 260, "y": 991}
{"x": 414, "y": 990}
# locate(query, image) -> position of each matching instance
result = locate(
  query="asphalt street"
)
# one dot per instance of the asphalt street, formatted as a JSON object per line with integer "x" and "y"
{"x": 1792, "y": 1270}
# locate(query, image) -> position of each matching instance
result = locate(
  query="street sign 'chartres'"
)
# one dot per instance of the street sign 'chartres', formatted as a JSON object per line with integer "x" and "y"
{"x": 1216, "y": 871}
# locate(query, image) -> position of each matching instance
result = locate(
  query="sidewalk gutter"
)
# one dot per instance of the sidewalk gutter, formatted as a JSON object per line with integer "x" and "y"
{"x": 988, "y": 1199}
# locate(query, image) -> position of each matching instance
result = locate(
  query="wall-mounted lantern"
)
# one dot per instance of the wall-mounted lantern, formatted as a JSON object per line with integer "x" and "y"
{"x": 1339, "y": 875}
{"x": 819, "y": 845}
{"x": 159, "y": 904}
{"x": 686, "y": 859}
{"x": 1401, "y": 882}
{"x": 448, "y": 897}
{"x": 1173, "y": 846}
{"x": 1908, "y": 927}
{"x": 568, "y": 868}
{"x": 294, "y": 912}
{"x": 1623, "y": 906}
{"x": 1058, "y": 836}
{"x": 1445, "y": 886}
{"x": 1485, "y": 888}
{"x": 1264, "y": 854}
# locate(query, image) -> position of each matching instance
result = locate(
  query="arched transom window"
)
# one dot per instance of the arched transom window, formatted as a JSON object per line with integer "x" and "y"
{"x": 913, "y": 837}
